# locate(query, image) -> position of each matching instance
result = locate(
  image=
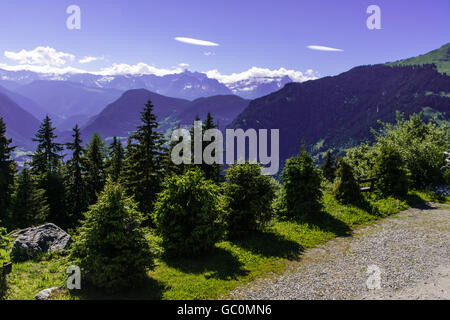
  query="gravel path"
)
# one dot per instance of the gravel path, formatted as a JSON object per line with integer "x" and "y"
{"x": 410, "y": 249}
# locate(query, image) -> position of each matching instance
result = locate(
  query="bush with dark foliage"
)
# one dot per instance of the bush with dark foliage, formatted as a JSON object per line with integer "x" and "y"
{"x": 302, "y": 184}
{"x": 346, "y": 189}
{"x": 188, "y": 214}
{"x": 390, "y": 168}
{"x": 249, "y": 196}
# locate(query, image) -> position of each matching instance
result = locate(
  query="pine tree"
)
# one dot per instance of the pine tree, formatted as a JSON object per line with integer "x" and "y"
{"x": 46, "y": 167}
{"x": 189, "y": 214}
{"x": 95, "y": 167}
{"x": 144, "y": 164}
{"x": 197, "y": 118}
{"x": 211, "y": 171}
{"x": 7, "y": 171}
{"x": 111, "y": 248}
{"x": 75, "y": 179}
{"x": 346, "y": 189}
{"x": 393, "y": 176}
{"x": 29, "y": 204}
{"x": 329, "y": 167}
{"x": 171, "y": 168}
{"x": 302, "y": 185}
{"x": 249, "y": 197}
{"x": 47, "y": 156}
{"x": 117, "y": 155}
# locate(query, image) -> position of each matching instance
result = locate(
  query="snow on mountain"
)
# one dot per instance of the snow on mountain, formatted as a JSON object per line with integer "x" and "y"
{"x": 254, "y": 83}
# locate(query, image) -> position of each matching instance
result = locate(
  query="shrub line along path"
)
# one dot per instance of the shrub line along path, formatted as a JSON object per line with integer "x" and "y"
{"x": 411, "y": 249}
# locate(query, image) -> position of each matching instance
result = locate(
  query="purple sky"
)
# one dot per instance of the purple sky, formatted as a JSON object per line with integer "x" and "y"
{"x": 250, "y": 33}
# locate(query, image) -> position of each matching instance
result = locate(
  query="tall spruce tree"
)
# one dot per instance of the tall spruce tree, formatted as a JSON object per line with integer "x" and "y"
{"x": 170, "y": 167}
{"x": 210, "y": 171}
{"x": 116, "y": 159}
{"x": 47, "y": 157}
{"x": 77, "y": 201}
{"x": 346, "y": 189}
{"x": 329, "y": 167}
{"x": 29, "y": 205}
{"x": 46, "y": 167}
{"x": 302, "y": 185}
{"x": 95, "y": 163}
{"x": 144, "y": 165}
{"x": 7, "y": 171}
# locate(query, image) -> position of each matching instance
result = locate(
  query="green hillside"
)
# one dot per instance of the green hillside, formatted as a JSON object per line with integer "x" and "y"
{"x": 440, "y": 57}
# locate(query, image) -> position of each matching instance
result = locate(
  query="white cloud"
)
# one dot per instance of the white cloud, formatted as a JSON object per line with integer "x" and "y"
{"x": 41, "y": 69}
{"x": 116, "y": 69}
{"x": 196, "y": 42}
{"x": 139, "y": 68}
{"x": 322, "y": 48}
{"x": 209, "y": 53}
{"x": 88, "y": 59}
{"x": 48, "y": 60}
{"x": 261, "y": 73}
{"x": 44, "y": 56}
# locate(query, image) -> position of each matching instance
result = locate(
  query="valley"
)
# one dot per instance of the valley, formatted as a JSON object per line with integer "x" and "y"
{"x": 330, "y": 113}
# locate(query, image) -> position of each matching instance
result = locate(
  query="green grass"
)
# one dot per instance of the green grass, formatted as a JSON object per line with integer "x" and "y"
{"x": 440, "y": 57}
{"x": 231, "y": 264}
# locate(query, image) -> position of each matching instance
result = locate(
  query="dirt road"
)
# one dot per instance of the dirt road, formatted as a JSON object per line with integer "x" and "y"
{"x": 405, "y": 256}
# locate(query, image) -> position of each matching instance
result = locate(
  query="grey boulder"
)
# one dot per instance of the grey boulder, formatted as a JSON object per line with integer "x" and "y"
{"x": 43, "y": 239}
{"x": 46, "y": 294}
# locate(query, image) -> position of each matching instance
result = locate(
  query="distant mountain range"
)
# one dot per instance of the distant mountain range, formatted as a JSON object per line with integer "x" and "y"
{"x": 66, "y": 99}
{"x": 27, "y": 104}
{"x": 185, "y": 85}
{"x": 123, "y": 115}
{"x": 253, "y": 88}
{"x": 20, "y": 124}
{"x": 329, "y": 113}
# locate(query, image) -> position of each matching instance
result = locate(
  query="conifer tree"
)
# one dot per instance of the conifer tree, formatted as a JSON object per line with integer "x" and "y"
{"x": 249, "y": 197}
{"x": 29, "y": 205}
{"x": 346, "y": 189}
{"x": 393, "y": 176}
{"x": 302, "y": 184}
{"x": 46, "y": 167}
{"x": 189, "y": 214}
{"x": 95, "y": 167}
{"x": 210, "y": 171}
{"x": 170, "y": 167}
{"x": 7, "y": 171}
{"x": 77, "y": 201}
{"x": 117, "y": 155}
{"x": 197, "y": 118}
{"x": 329, "y": 167}
{"x": 144, "y": 164}
{"x": 111, "y": 248}
{"x": 47, "y": 156}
